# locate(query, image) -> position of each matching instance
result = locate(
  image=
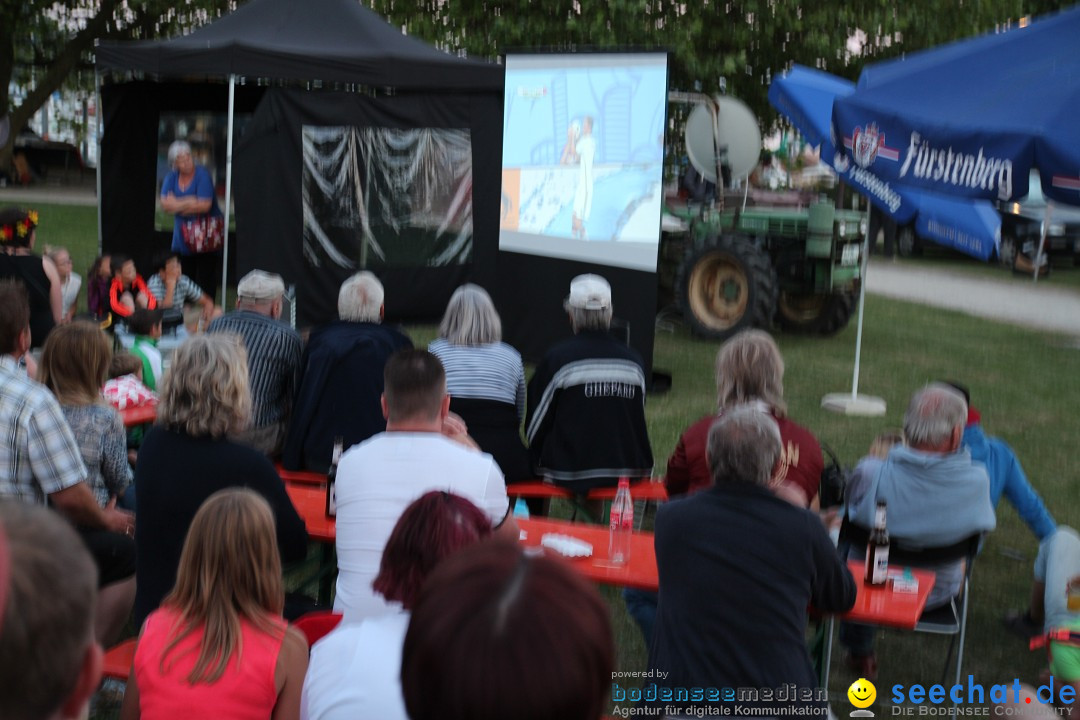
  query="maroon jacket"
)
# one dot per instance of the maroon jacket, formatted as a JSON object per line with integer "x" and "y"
{"x": 800, "y": 460}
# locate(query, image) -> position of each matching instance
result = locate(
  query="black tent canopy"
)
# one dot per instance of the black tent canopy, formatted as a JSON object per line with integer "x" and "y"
{"x": 306, "y": 41}
{"x": 327, "y": 40}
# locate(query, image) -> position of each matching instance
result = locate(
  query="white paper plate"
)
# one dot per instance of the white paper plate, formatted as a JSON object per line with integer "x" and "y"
{"x": 566, "y": 545}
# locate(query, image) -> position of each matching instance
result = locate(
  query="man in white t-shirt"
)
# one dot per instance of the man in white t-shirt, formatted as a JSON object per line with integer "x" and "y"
{"x": 424, "y": 448}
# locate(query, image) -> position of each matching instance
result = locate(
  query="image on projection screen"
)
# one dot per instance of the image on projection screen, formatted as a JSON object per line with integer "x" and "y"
{"x": 583, "y": 145}
{"x": 379, "y": 197}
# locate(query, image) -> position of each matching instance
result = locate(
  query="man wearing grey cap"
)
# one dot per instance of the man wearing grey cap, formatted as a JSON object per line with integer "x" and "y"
{"x": 586, "y": 412}
{"x": 273, "y": 350}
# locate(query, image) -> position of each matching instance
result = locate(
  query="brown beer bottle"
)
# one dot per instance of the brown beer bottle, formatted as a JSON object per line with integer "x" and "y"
{"x": 877, "y": 550}
{"x": 331, "y": 479}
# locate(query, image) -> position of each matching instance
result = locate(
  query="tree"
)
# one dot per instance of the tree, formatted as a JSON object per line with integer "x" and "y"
{"x": 745, "y": 41}
{"x": 54, "y": 38}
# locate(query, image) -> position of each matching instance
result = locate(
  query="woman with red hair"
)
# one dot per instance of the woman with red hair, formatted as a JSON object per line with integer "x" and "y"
{"x": 354, "y": 671}
{"x": 498, "y": 633}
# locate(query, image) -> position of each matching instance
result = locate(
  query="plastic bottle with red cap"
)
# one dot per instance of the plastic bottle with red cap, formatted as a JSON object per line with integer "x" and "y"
{"x": 622, "y": 524}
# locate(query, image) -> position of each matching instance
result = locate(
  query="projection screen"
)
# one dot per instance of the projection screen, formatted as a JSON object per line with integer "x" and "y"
{"x": 583, "y": 144}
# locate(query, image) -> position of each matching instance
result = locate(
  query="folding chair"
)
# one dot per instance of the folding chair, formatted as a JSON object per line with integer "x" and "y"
{"x": 316, "y": 624}
{"x": 118, "y": 659}
{"x": 949, "y": 619}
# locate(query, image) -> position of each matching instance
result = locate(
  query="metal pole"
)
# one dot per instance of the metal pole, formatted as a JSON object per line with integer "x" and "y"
{"x": 1042, "y": 239}
{"x": 228, "y": 188}
{"x": 862, "y": 304}
{"x": 718, "y": 154}
{"x": 97, "y": 139}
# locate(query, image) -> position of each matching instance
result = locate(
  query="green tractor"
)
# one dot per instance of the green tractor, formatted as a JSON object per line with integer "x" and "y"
{"x": 738, "y": 267}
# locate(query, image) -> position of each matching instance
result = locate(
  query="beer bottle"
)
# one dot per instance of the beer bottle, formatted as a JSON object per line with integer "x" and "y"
{"x": 331, "y": 478}
{"x": 877, "y": 549}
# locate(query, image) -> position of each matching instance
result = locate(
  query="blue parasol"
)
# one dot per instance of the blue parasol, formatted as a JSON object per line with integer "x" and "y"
{"x": 972, "y": 118}
{"x": 807, "y": 97}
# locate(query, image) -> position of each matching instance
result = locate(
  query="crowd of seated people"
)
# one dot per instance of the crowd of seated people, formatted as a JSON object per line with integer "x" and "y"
{"x": 452, "y": 426}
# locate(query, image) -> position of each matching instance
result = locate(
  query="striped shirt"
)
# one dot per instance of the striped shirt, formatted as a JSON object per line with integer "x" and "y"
{"x": 186, "y": 291}
{"x": 483, "y": 372}
{"x": 274, "y": 351}
{"x": 38, "y": 453}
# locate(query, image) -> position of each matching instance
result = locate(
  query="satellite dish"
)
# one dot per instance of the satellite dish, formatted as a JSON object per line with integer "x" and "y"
{"x": 738, "y": 135}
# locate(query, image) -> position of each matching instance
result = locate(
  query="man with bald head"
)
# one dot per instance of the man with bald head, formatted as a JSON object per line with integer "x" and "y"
{"x": 935, "y": 496}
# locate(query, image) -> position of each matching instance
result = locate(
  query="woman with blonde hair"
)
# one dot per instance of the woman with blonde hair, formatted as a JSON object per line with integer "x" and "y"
{"x": 485, "y": 378}
{"x": 218, "y": 645}
{"x": 750, "y": 369}
{"x": 187, "y": 456}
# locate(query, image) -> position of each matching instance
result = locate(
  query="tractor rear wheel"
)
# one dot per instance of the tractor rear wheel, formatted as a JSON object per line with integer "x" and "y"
{"x": 815, "y": 313}
{"x": 727, "y": 286}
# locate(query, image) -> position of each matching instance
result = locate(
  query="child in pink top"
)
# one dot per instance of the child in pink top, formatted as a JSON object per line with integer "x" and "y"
{"x": 218, "y": 646}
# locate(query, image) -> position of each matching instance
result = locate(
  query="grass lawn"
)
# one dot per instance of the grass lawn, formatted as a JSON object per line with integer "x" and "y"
{"x": 73, "y": 227}
{"x": 1025, "y": 383}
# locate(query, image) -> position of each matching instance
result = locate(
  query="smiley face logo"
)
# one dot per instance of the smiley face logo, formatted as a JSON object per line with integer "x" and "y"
{"x": 862, "y": 693}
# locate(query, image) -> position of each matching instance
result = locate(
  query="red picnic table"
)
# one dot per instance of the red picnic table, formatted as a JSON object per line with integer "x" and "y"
{"x": 640, "y": 572}
{"x": 874, "y": 604}
{"x": 310, "y": 504}
{"x": 138, "y": 415}
{"x": 879, "y": 605}
{"x": 647, "y": 489}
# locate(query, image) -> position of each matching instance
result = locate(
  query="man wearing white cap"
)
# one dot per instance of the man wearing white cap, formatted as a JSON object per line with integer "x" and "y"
{"x": 273, "y": 350}
{"x": 586, "y": 419}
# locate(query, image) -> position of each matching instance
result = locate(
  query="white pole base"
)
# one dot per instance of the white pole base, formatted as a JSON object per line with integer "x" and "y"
{"x": 848, "y": 404}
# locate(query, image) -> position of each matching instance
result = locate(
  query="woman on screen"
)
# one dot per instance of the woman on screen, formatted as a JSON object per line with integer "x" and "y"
{"x": 585, "y": 150}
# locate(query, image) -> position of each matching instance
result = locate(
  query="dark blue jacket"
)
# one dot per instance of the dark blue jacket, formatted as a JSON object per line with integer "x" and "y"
{"x": 340, "y": 386}
{"x": 738, "y": 568}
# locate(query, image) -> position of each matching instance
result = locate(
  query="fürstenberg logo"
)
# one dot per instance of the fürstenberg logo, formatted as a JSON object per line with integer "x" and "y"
{"x": 957, "y": 168}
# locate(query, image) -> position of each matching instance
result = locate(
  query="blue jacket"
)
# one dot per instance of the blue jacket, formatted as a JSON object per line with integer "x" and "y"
{"x": 933, "y": 500}
{"x": 1006, "y": 476}
{"x": 339, "y": 391}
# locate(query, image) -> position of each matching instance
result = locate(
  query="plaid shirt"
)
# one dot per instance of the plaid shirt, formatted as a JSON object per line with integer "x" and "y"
{"x": 38, "y": 453}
